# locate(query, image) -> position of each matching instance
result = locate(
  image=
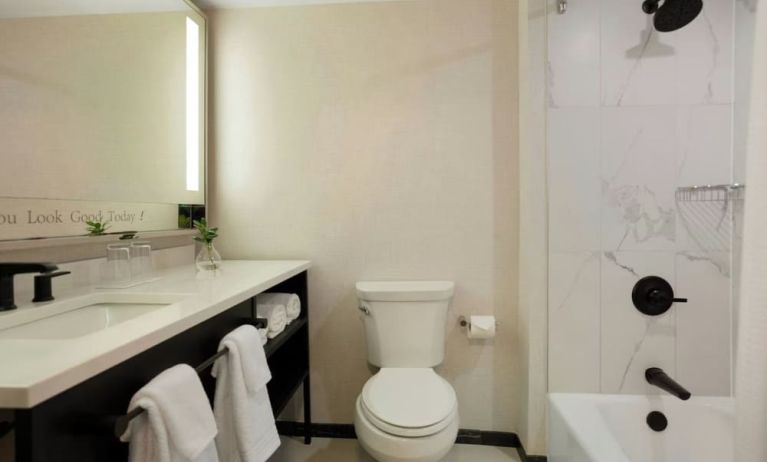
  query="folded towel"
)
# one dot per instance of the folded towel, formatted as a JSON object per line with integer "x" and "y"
{"x": 178, "y": 425}
{"x": 247, "y": 432}
{"x": 276, "y": 318}
{"x": 263, "y": 333}
{"x": 291, "y": 302}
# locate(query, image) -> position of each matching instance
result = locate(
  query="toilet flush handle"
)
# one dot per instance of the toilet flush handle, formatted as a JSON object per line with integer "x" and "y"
{"x": 365, "y": 310}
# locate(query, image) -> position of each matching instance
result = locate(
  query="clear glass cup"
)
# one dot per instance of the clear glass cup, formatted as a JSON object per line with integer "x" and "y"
{"x": 141, "y": 259}
{"x": 118, "y": 265}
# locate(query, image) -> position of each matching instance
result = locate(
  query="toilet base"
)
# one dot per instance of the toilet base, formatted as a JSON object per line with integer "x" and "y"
{"x": 384, "y": 447}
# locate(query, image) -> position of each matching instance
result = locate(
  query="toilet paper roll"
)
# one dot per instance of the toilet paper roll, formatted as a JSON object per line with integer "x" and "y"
{"x": 481, "y": 327}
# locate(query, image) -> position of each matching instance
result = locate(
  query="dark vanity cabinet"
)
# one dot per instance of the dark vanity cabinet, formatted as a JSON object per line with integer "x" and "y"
{"x": 78, "y": 425}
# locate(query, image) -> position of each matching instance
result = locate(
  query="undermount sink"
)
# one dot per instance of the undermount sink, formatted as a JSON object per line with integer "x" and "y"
{"x": 82, "y": 316}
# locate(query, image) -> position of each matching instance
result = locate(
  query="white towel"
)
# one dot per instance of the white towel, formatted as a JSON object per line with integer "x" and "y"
{"x": 291, "y": 302}
{"x": 263, "y": 333}
{"x": 276, "y": 317}
{"x": 177, "y": 425}
{"x": 247, "y": 431}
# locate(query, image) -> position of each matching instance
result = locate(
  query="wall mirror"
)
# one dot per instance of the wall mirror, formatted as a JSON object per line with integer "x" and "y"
{"x": 102, "y": 115}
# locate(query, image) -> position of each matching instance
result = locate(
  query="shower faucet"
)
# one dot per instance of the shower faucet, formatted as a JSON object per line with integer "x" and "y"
{"x": 672, "y": 14}
{"x": 655, "y": 376}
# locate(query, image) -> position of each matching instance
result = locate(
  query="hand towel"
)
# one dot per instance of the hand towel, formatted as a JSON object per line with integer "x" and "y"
{"x": 247, "y": 431}
{"x": 291, "y": 302}
{"x": 177, "y": 425}
{"x": 275, "y": 316}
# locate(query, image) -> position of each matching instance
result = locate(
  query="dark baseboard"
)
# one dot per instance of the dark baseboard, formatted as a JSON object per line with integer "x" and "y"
{"x": 465, "y": 436}
{"x": 525, "y": 458}
{"x": 486, "y": 438}
{"x": 319, "y": 430}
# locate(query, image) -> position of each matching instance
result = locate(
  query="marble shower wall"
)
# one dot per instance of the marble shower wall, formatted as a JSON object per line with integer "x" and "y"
{"x": 634, "y": 114}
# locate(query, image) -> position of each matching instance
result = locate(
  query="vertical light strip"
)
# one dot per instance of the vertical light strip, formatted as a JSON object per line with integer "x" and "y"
{"x": 192, "y": 105}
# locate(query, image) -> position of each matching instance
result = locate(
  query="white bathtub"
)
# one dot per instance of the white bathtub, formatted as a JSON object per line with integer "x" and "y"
{"x": 613, "y": 428}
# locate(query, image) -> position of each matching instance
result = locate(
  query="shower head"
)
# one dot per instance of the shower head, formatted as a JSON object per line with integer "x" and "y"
{"x": 672, "y": 14}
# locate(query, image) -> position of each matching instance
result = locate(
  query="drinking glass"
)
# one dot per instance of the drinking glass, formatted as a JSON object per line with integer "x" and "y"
{"x": 118, "y": 265}
{"x": 141, "y": 259}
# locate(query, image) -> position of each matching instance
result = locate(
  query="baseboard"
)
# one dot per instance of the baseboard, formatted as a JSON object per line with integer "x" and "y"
{"x": 487, "y": 438}
{"x": 465, "y": 436}
{"x": 525, "y": 458}
{"x": 319, "y": 430}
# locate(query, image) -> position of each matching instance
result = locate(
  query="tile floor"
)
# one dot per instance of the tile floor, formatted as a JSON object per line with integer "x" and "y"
{"x": 342, "y": 450}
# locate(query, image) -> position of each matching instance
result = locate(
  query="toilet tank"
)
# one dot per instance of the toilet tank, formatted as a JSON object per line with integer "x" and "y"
{"x": 405, "y": 321}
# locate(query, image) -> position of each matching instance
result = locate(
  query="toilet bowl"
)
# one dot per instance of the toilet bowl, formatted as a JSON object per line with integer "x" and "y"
{"x": 406, "y": 415}
{"x": 406, "y": 412}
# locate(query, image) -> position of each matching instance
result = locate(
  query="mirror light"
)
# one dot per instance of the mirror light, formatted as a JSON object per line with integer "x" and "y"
{"x": 192, "y": 105}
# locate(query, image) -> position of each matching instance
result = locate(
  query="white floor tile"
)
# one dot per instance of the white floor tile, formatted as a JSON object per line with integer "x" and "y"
{"x": 343, "y": 450}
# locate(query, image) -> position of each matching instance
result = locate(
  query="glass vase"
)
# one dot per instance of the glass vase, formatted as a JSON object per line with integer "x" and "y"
{"x": 208, "y": 258}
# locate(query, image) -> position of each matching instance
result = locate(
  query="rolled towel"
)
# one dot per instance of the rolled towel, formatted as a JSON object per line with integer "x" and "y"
{"x": 178, "y": 423}
{"x": 291, "y": 302}
{"x": 275, "y": 316}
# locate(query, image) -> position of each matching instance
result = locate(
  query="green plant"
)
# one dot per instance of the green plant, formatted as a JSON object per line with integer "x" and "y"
{"x": 206, "y": 234}
{"x": 184, "y": 222}
{"x": 97, "y": 227}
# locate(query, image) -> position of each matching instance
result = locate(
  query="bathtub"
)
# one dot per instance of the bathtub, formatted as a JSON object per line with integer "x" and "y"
{"x": 613, "y": 428}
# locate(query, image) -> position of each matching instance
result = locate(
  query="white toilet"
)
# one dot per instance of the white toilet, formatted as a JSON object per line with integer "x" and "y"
{"x": 406, "y": 412}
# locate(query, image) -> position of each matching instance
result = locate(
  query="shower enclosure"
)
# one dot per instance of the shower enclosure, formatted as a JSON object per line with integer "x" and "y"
{"x": 645, "y": 113}
{"x": 641, "y": 183}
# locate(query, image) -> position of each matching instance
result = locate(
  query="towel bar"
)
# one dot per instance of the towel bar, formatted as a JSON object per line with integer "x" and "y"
{"x": 122, "y": 422}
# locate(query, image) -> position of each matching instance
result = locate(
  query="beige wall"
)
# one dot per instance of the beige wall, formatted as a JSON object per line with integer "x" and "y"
{"x": 533, "y": 228}
{"x": 378, "y": 140}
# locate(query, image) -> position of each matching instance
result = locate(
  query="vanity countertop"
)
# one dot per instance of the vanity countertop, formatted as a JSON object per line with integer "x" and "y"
{"x": 35, "y": 370}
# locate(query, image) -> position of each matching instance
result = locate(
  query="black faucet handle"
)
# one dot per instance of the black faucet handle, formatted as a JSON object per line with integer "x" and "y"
{"x": 10, "y": 269}
{"x": 44, "y": 287}
{"x": 653, "y": 296}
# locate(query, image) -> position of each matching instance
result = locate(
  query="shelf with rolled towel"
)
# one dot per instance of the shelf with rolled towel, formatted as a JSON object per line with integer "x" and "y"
{"x": 280, "y": 309}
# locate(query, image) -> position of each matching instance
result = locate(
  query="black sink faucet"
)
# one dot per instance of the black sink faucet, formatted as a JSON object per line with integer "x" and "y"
{"x": 9, "y": 270}
{"x": 656, "y": 376}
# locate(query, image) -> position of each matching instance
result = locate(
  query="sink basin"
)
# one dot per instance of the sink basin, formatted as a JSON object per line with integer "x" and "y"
{"x": 83, "y": 316}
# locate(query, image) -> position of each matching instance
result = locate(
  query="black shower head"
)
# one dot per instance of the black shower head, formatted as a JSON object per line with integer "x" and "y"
{"x": 672, "y": 14}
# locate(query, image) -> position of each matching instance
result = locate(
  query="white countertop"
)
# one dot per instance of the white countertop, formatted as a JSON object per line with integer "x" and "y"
{"x": 35, "y": 370}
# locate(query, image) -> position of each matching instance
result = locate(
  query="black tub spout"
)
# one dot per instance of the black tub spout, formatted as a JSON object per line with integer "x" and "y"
{"x": 655, "y": 376}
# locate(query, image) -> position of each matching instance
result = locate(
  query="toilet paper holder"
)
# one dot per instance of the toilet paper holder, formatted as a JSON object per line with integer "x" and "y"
{"x": 463, "y": 321}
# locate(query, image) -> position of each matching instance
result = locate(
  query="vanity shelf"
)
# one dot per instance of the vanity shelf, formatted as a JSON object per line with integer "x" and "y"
{"x": 274, "y": 344}
{"x": 78, "y": 424}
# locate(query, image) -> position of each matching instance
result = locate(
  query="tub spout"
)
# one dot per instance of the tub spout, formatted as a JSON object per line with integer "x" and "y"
{"x": 655, "y": 376}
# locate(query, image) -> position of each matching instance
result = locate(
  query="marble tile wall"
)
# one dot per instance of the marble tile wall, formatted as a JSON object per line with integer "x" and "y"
{"x": 634, "y": 114}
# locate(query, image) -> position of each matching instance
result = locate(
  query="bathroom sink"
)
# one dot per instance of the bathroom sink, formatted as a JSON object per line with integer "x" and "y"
{"x": 82, "y": 316}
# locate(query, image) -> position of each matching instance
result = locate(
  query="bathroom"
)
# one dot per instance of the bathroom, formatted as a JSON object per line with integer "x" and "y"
{"x": 459, "y": 230}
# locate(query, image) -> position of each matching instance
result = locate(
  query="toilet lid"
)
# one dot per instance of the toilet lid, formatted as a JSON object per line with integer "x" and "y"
{"x": 409, "y": 398}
